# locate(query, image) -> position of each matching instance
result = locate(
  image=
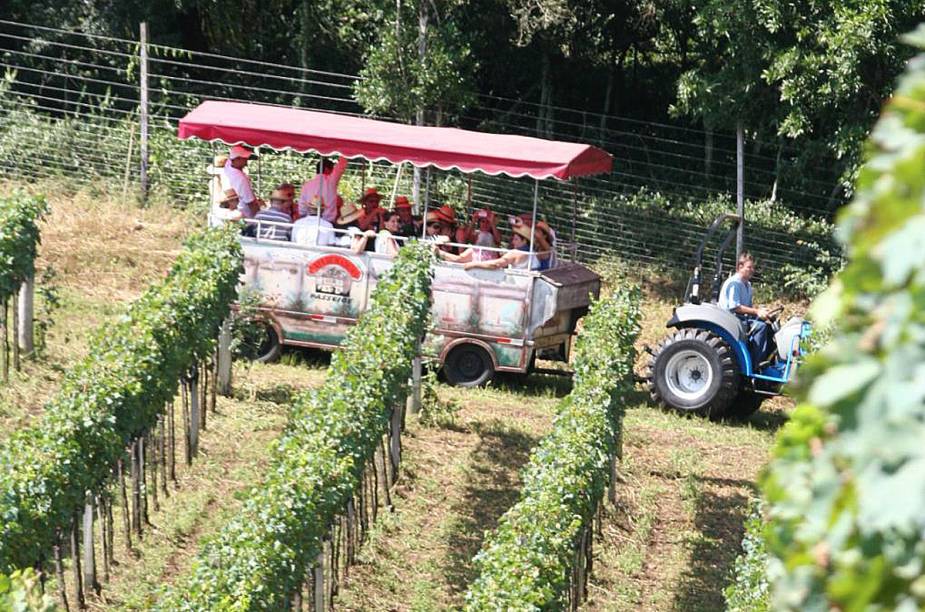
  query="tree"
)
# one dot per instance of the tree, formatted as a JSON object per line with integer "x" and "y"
{"x": 419, "y": 62}
{"x": 800, "y": 69}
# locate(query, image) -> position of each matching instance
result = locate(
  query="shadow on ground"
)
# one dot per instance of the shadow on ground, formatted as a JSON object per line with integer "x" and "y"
{"x": 719, "y": 520}
{"x": 492, "y": 486}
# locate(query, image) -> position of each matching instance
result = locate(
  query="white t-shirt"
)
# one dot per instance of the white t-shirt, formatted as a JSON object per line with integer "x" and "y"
{"x": 220, "y": 216}
{"x": 305, "y": 229}
{"x": 383, "y": 240}
{"x": 232, "y": 178}
{"x": 327, "y": 195}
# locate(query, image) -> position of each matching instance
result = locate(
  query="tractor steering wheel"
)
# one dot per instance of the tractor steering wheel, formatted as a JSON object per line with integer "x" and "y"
{"x": 774, "y": 313}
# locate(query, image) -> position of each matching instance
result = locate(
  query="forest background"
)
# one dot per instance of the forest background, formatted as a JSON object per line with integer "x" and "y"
{"x": 661, "y": 84}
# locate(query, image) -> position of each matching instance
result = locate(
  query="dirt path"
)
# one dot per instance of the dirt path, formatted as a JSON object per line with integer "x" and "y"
{"x": 456, "y": 481}
{"x": 671, "y": 542}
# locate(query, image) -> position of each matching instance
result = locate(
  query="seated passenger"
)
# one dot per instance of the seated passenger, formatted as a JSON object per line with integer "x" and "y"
{"x": 371, "y": 218}
{"x": 278, "y": 212}
{"x": 409, "y": 225}
{"x": 518, "y": 257}
{"x": 227, "y": 209}
{"x": 305, "y": 231}
{"x": 288, "y": 189}
{"x": 442, "y": 222}
{"x": 385, "y": 243}
{"x": 486, "y": 235}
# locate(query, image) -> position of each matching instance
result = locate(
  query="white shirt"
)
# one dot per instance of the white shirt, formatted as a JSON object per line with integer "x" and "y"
{"x": 383, "y": 241}
{"x": 233, "y": 178}
{"x": 220, "y": 216}
{"x": 327, "y": 195}
{"x": 305, "y": 229}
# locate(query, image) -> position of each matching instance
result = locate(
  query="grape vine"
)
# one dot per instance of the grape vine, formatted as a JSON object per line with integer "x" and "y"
{"x": 529, "y": 561}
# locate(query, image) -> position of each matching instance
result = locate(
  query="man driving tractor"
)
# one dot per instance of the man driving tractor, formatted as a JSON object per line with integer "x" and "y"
{"x": 736, "y": 297}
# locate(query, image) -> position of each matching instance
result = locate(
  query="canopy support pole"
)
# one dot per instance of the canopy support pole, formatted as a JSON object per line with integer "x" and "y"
{"x": 536, "y": 197}
{"x": 320, "y": 203}
{"x": 424, "y": 218}
{"x": 574, "y": 218}
{"x": 259, "y": 166}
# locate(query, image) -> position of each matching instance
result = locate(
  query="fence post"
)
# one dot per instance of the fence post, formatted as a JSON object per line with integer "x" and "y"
{"x": 224, "y": 359}
{"x": 740, "y": 188}
{"x": 318, "y": 581}
{"x": 26, "y": 304}
{"x": 89, "y": 549}
{"x": 414, "y": 398}
{"x": 143, "y": 113}
{"x": 194, "y": 408}
{"x": 395, "y": 440}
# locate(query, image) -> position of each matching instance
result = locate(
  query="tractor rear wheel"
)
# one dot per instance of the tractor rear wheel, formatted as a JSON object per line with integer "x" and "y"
{"x": 694, "y": 371}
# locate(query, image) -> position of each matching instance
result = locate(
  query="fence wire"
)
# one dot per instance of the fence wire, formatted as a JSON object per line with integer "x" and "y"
{"x": 69, "y": 108}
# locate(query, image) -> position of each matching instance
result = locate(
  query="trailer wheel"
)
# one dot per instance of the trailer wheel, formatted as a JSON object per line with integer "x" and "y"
{"x": 260, "y": 341}
{"x": 694, "y": 371}
{"x": 468, "y": 365}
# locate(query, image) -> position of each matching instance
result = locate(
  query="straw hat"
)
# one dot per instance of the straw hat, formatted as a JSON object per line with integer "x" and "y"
{"x": 444, "y": 214}
{"x": 520, "y": 227}
{"x": 402, "y": 202}
{"x": 227, "y": 196}
{"x": 348, "y": 213}
{"x": 371, "y": 193}
{"x": 240, "y": 151}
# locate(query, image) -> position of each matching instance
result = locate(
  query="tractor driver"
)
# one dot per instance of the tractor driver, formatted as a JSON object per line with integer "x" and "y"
{"x": 736, "y": 297}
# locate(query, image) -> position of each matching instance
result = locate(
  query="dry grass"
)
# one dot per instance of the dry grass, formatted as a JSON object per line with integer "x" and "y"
{"x": 668, "y": 545}
{"x": 104, "y": 254}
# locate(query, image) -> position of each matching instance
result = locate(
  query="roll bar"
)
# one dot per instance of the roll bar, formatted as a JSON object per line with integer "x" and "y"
{"x": 692, "y": 294}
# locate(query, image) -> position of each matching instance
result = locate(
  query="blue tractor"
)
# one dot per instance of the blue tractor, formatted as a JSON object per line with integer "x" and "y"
{"x": 704, "y": 366}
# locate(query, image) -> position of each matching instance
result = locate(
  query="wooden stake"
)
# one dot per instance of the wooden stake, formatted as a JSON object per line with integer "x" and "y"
{"x": 59, "y": 572}
{"x": 15, "y": 330}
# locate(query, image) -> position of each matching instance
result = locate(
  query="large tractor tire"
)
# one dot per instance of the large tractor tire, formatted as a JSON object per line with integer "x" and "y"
{"x": 694, "y": 371}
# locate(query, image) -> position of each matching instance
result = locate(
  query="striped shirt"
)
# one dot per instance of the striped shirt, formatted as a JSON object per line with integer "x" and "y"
{"x": 274, "y": 232}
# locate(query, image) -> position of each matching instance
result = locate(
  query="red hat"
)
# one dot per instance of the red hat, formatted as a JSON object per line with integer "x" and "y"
{"x": 444, "y": 214}
{"x": 371, "y": 193}
{"x": 402, "y": 202}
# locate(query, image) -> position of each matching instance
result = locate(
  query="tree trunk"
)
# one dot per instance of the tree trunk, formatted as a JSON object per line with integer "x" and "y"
{"x": 608, "y": 91}
{"x": 423, "y": 18}
{"x": 780, "y": 150}
{"x": 708, "y": 151}
{"x": 544, "y": 96}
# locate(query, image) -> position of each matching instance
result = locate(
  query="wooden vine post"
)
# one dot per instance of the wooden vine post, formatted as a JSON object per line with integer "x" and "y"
{"x": 26, "y": 336}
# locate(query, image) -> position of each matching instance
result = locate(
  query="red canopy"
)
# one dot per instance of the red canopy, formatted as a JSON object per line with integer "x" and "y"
{"x": 444, "y": 148}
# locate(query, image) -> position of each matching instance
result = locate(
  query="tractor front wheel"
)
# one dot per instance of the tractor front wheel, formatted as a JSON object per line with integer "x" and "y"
{"x": 694, "y": 371}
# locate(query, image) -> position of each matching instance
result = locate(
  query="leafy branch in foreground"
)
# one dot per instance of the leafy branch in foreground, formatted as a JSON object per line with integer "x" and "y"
{"x": 846, "y": 488}
{"x": 526, "y": 563}
{"x": 262, "y": 557}
{"x": 111, "y": 397}
{"x": 20, "y": 215}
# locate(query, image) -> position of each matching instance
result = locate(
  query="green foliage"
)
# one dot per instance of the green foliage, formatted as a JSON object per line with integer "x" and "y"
{"x": 260, "y": 559}
{"x": 667, "y": 231}
{"x": 398, "y": 80}
{"x": 19, "y": 239}
{"x": 22, "y": 591}
{"x": 525, "y": 563}
{"x": 111, "y": 396}
{"x": 49, "y": 302}
{"x": 749, "y": 589}
{"x": 845, "y": 488}
{"x": 435, "y": 412}
{"x": 799, "y": 69}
